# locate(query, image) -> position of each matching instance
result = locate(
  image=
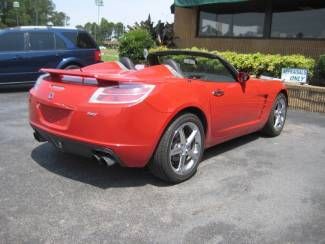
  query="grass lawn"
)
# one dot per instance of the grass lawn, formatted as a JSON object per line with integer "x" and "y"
{"x": 109, "y": 55}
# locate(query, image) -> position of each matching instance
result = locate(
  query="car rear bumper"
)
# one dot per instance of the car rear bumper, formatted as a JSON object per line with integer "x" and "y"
{"x": 131, "y": 133}
{"x": 76, "y": 147}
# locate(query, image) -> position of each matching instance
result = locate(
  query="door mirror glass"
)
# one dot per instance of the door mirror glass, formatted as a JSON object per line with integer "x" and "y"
{"x": 242, "y": 77}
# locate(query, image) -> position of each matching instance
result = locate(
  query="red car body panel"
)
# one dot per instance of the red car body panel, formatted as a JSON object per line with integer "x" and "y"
{"x": 132, "y": 131}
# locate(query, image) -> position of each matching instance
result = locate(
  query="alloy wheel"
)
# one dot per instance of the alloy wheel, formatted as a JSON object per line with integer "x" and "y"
{"x": 280, "y": 113}
{"x": 185, "y": 148}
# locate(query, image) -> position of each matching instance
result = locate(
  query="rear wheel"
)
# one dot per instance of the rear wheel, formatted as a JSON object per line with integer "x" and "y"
{"x": 276, "y": 121}
{"x": 72, "y": 66}
{"x": 180, "y": 150}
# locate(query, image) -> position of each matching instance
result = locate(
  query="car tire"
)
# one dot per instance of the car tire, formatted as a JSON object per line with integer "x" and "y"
{"x": 277, "y": 117}
{"x": 72, "y": 66}
{"x": 180, "y": 150}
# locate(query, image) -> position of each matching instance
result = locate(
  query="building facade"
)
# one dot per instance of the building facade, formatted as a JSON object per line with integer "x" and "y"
{"x": 266, "y": 26}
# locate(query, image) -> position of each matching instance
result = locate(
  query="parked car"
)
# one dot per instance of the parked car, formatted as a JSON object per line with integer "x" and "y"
{"x": 164, "y": 115}
{"x": 25, "y": 50}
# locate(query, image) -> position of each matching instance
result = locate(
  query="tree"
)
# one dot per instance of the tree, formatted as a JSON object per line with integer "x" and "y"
{"x": 30, "y": 12}
{"x": 147, "y": 24}
{"x": 162, "y": 33}
{"x": 119, "y": 30}
{"x": 106, "y": 31}
{"x": 91, "y": 28}
{"x": 59, "y": 19}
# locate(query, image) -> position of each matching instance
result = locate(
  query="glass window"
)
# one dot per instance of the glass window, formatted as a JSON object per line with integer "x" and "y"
{"x": 41, "y": 41}
{"x": 85, "y": 41}
{"x": 12, "y": 41}
{"x": 208, "y": 24}
{"x": 307, "y": 23}
{"x": 81, "y": 39}
{"x": 71, "y": 36}
{"x": 238, "y": 25}
{"x": 59, "y": 42}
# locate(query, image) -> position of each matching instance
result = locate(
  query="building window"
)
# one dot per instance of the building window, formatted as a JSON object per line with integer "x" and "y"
{"x": 231, "y": 25}
{"x": 307, "y": 23}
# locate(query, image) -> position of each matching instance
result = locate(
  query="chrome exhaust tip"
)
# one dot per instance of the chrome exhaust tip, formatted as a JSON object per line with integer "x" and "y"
{"x": 104, "y": 158}
{"x": 108, "y": 161}
{"x": 98, "y": 158}
{"x": 38, "y": 137}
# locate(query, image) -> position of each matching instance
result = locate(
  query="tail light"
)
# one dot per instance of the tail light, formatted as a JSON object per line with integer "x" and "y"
{"x": 40, "y": 80}
{"x": 125, "y": 93}
{"x": 98, "y": 56}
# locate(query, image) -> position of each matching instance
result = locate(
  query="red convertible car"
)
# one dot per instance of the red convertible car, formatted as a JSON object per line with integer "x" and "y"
{"x": 163, "y": 115}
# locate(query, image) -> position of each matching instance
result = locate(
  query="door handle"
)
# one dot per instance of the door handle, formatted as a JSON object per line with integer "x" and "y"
{"x": 218, "y": 93}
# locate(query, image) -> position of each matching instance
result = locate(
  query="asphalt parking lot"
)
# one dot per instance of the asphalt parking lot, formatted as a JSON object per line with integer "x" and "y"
{"x": 250, "y": 190}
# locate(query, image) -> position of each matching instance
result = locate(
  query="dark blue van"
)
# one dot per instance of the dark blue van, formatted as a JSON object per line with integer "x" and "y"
{"x": 24, "y": 50}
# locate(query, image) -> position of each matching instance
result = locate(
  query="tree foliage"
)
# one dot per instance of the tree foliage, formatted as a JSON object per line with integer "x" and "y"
{"x": 162, "y": 33}
{"x": 30, "y": 12}
{"x": 105, "y": 31}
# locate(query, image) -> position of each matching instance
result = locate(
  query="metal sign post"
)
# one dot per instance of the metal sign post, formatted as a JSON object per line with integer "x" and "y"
{"x": 16, "y": 5}
{"x": 99, "y": 3}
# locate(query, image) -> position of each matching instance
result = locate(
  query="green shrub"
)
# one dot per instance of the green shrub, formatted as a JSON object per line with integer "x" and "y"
{"x": 258, "y": 63}
{"x": 321, "y": 67}
{"x": 134, "y": 42}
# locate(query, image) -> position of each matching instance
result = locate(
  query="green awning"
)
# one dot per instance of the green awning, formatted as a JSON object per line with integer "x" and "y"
{"x": 193, "y": 3}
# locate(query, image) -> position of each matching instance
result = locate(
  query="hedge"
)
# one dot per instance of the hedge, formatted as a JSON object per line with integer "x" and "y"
{"x": 258, "y": 63}
{"x": 321, "y": 67}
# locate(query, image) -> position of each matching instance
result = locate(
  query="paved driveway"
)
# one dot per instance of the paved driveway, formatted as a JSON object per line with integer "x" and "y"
{"x": 250, "y": 190}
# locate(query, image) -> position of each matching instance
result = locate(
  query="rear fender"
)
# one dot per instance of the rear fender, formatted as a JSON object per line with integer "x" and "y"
{"x": 69, "y": 61}
{"x": 174, "y": 99}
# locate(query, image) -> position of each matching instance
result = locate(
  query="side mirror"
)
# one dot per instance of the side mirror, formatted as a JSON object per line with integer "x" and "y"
{"x": 242, "y": 77}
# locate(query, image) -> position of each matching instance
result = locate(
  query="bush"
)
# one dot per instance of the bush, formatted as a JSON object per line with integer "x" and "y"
{"x": 258, "y": 63}
{"x": 134, "y": 42}
{"x": 321, "y": 67}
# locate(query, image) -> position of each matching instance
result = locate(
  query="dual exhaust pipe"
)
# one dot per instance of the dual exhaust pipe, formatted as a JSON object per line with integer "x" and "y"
{"x": 104, "y": 158}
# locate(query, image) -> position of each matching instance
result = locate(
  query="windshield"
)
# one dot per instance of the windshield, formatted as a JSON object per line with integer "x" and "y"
{"x": 196, "y": 66}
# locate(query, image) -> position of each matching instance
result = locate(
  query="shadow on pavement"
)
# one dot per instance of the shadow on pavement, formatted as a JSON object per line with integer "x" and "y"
{"x": 89, "y": 171}
{"x": 230, "y": 145}
{"x": 15, "y": 89}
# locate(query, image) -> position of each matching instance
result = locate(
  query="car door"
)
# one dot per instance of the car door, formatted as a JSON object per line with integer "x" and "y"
{"x": 66, "y": 47}
{"x": 41, "y": 53}
{"x": 235, "y": 107}
{"x": 13, "y": 66}
{"x": 80, "y": 46}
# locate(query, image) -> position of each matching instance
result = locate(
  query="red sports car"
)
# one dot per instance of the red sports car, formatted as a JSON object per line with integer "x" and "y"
{"x": 163, "y": 115}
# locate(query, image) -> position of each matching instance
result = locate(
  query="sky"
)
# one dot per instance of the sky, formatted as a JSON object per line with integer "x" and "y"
{"x": 125, "y": 11}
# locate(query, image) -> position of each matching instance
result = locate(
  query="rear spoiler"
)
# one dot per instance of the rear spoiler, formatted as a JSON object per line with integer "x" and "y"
{"x": 57, "y": 73}
{"x": 102, "y": 79}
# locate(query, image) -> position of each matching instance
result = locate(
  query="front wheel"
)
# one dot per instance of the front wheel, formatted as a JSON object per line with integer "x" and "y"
{"x": 180, "y": 150}
{"x": 277, "y": 117}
